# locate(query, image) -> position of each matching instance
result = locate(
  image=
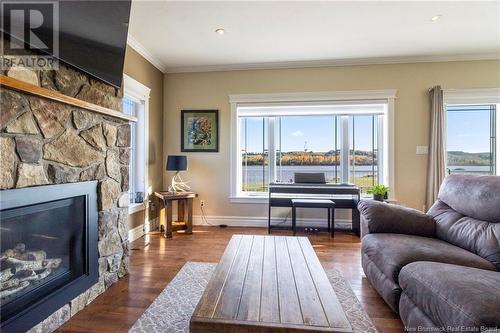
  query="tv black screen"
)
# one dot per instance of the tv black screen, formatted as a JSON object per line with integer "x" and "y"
{"x": 92, "y": 36}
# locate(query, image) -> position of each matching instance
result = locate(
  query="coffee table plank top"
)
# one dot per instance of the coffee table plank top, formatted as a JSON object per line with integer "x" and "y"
{"x": 249, "y": 307}
{"x": 230, "y": 296}
{"x": 205, "y": 308}
{"x": 330, "y": 304}
{"x": 269, "y": 306}
{"x": 313, "y": 313}
{"x": 269, "y": 284}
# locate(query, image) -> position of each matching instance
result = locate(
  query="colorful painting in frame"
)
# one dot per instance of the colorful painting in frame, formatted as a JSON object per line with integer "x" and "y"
{"x": 200, "y": 130}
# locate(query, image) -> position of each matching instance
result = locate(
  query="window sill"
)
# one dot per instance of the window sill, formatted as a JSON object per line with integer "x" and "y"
{"x": 136, "y": 207}
{"x": 248, "y": 199}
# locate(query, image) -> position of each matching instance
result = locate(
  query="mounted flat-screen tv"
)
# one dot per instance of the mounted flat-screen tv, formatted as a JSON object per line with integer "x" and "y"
{"x": 88, "y": 35}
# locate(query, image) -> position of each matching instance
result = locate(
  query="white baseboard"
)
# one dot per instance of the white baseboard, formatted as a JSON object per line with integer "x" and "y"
{"x": 259, "y": 221}
{"x": 136, "y": 233}
{"x": 142, "y": 229}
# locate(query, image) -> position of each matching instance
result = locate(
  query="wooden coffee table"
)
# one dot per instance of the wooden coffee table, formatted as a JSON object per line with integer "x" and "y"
{"x": 269, "y": 284}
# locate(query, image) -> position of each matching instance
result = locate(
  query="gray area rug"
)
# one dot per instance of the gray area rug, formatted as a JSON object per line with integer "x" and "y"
{"x": 171, "y": 311}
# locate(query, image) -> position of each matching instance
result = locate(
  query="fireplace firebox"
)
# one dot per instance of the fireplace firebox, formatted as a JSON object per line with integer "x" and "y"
{"x": 48, "y": 246}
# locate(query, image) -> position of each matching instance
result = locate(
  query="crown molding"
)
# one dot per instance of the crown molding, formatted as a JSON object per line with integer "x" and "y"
{"x": 133, "y": 43}
{"x": 333, "y": 63}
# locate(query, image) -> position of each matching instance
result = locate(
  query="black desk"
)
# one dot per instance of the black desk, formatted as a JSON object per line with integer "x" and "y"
{"x": 345, "y": 196}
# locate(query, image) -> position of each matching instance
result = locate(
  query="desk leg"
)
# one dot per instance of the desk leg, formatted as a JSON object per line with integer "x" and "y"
{"x": 329, "y": 219}
{"x": 189, "y": 222}
{"x": 355, "y": 221}
{"x": 161, "y": 214}
{"x": 269, "y": 219}
{"x": 333, "y": 223}
{"x": 181, "y": 208}
{"x": 168, "y": 222}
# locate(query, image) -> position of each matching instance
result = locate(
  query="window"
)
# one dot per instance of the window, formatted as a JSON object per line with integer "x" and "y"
{"x": 307, "y": 143}
{"x": 363, "y": 148}
{"x": 136, "y": 103}
{"x": 254, "y": 154}
{"x": 471, "y": 138}
{"x": 346, "y": 140}
{"x": 133, "y": 108}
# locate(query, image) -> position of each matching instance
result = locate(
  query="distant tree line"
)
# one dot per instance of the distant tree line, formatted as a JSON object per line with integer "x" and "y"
{"x": 461, "y": 158}
{"x": 361, "y": 157}
{"x": 308, "y": 158}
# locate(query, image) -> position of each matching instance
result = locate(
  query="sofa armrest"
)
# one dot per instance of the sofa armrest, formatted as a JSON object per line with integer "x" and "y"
{"x": 380, "y": 217}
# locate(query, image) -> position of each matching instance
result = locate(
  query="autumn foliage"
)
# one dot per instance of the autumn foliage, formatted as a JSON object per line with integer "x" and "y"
{"x": 309, "y": 158}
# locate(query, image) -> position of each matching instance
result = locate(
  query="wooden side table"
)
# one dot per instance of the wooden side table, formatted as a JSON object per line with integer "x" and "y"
{"x": 184, "y": 211}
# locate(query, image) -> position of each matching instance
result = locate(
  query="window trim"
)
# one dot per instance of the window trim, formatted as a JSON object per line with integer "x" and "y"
{"x": 471, "y": 96}
{"x": 136, "y": 90}
{"x": 386, "y": 96}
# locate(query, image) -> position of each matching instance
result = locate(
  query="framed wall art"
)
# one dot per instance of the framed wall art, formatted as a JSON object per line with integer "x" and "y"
{"x": 200, "y": 130}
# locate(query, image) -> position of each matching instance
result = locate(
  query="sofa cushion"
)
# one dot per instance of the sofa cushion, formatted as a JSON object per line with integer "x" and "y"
{"x": 453, "y": 296}
{"x": 381, "y": 217}
{"x": 413, "y": 318}
{"x": 473, "y": 196}
{"x": 386, "y": 287}
{"x": 391, "y": 252}
{"x": 478, "y": 236}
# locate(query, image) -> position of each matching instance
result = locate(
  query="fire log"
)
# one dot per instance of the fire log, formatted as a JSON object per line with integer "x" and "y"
{"x": 43, "y": 274}
{"x": 18, "y": 250}
{"x": 20, "y": 265}
{"x": 8, "y": 292}
{"x": 5, "y": 274}
{"x": 32, "y": 255}
{"x": 27, "y": 275}
{"x": 18, "y": 279}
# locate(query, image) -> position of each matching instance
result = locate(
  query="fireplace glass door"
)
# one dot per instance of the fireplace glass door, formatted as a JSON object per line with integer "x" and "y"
{"x": 42, "y": 249}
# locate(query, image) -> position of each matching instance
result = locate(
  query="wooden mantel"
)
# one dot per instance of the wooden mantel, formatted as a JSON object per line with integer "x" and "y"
{"x": 28, "y": 88}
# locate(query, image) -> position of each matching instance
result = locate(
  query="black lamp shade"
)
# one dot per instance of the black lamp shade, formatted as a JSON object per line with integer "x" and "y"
{"x": 176, "y": 163}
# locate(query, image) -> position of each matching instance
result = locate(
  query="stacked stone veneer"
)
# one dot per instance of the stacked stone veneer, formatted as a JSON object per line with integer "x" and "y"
{"x": 45, "y": 142}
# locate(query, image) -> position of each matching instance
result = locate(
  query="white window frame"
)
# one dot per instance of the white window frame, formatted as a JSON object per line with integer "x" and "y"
{"x": 139, "y": 92}
{"x": 474, "y": 97}
{"x": 341, "y": 97}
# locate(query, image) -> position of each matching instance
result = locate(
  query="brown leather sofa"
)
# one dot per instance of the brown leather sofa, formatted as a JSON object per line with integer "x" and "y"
{"x": 439, "y": 270}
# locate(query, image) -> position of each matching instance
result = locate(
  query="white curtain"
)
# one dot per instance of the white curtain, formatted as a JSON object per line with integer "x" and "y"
{"x": 436, "y": 169}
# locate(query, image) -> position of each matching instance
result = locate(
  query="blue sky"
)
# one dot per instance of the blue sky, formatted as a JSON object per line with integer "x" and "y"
{"x": 467, "y": 131}
{"x": 311, "y": 133}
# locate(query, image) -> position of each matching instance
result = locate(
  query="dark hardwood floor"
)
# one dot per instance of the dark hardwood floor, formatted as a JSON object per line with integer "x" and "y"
{"x": 154, "y": 261}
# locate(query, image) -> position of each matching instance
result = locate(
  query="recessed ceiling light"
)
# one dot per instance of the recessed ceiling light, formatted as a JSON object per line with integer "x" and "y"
{"x": 435, "y": 18}
{"x": 220, "y": 31}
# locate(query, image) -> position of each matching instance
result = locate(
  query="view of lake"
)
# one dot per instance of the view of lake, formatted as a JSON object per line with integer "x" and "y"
{"x": 253, "y": 173}
{"x": 476, "y": 169}
{"x": 285, "y": 173}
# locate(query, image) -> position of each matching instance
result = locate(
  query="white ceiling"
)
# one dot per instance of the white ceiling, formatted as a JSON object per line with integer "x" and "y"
{"x": 180, "y": 36}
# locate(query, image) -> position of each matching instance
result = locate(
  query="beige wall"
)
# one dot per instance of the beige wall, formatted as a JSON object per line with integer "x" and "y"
{"x": 209, "y": 172}
{"x": 143, "y": 71}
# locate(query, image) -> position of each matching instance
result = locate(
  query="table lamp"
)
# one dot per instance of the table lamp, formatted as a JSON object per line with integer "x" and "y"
{"x": 177, "y": 163}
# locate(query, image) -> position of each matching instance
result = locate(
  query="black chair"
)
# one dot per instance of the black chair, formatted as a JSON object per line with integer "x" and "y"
{"x": 314, "y": 203}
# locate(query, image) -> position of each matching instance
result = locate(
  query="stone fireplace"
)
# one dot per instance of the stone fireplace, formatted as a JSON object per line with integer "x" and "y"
{"x": 45, "y": 142}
